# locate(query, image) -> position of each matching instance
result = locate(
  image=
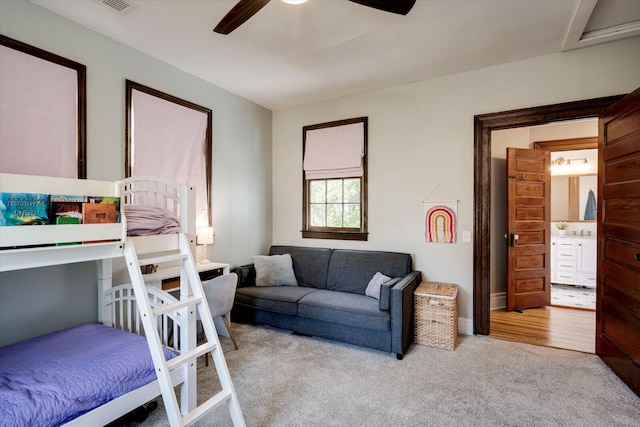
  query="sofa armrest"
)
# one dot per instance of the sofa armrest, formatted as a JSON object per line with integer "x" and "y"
{"x": 385, "y": 294}
{"x": 402, "y": 319}
{"x": 246, "y": 275}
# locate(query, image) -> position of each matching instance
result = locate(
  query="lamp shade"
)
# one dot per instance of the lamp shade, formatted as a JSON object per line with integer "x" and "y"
{"x": 204, "y": 236}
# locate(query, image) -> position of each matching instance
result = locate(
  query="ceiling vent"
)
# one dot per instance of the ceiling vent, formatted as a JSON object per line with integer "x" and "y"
{"x": 119, "y": 6}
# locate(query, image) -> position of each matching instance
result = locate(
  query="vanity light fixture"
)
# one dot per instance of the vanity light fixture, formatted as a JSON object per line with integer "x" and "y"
{"x": 294, "y": 1}
{"x": 561, "y": 161}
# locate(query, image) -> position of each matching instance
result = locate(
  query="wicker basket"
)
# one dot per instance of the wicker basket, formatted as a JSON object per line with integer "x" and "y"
{"x": 436, "y": 312}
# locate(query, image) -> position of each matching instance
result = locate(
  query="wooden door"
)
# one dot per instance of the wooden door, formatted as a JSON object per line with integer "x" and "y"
{"x": 618, "y": 299}
{"x": 528, "y": 228}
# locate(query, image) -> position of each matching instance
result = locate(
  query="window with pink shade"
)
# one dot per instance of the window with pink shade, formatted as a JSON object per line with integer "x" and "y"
{"x": 335, "y": 180}
{"x": 170, "y": 138}
{"x": 42, "y": 112}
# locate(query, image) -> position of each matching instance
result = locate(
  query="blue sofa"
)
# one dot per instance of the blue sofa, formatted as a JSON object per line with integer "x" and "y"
{"x": 330, "y": 299}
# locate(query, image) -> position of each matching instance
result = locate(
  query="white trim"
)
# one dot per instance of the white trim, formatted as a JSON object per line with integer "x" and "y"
{"x": 465, "y": 326}
{"x": 498, "y": 300}
{"x": 577, "y": 38}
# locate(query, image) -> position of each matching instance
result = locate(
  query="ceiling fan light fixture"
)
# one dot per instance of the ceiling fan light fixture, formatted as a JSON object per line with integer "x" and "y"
{"x": 294, "y": 1}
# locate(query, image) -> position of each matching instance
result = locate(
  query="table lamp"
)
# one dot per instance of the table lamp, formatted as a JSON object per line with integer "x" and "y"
{"x": 204, "y": 237}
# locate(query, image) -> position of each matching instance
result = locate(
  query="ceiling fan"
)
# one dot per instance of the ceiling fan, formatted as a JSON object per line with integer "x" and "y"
{"x": 245, "y": 9}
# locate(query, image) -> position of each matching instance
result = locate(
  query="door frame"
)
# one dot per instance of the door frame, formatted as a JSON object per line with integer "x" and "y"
{"x": 484, "y": 124}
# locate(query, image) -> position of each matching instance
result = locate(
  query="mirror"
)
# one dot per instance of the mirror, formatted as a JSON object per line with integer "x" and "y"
{"x": 573, "y": 178}
{"x": 573, "y": 198}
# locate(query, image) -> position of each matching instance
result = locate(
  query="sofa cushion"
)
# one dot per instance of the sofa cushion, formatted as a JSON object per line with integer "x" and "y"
{"x": 310, "y": 265}
{"x": 351, "y": 270}
{"x": 373, "y": 288}
{"x": 344, "y": 308}
{"x": 281, "y": 299}
{"x": 276, "y": 270}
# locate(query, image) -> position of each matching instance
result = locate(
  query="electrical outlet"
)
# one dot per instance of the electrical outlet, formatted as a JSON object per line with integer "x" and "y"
{"x": 466, "y": 236}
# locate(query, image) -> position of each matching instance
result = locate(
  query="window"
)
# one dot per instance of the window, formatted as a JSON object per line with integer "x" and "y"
{"x": 42, "y": 112}
{"x": 170, "y": 138}
{"x": 335, "y": 180}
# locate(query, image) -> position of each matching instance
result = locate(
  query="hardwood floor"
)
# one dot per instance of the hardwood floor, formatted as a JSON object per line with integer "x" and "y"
{"x": 559, "y": 327}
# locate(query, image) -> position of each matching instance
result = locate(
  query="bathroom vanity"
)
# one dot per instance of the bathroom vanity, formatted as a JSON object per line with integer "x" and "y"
{"x": 573, "y": 260}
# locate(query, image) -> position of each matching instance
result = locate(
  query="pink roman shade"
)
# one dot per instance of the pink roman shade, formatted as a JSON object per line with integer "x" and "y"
{"x": 334, "y": 152}
{"x": 38, "y": 116}
{"x": 169, "y": 142}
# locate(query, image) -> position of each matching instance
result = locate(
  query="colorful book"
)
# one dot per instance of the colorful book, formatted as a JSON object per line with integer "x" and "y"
{"x": 66, "y": 210}
{"x": 65, "y": 206}
{"x": 24, "y": 209}
{"x": 98, "y": 213}
{"x": 107, "y": 200}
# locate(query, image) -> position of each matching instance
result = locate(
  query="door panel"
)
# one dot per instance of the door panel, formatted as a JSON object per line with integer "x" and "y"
{"x": 618, "y": 302}
{"x": 528, "y": 220}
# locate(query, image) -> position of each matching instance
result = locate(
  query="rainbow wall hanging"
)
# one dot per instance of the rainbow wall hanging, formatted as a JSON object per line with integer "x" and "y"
{"x": 440, "y": 216}
{"x": 440, "y": 224}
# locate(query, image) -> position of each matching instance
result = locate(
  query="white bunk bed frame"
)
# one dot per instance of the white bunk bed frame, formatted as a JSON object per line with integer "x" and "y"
{"x": 132, "y": 307}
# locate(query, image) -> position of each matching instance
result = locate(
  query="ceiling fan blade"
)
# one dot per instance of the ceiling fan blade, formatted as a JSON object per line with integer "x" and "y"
{"x": 239, "y": 14}
{"x": 401, "y": 7}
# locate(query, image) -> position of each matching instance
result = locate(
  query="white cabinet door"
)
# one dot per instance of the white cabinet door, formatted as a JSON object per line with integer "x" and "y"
{"x": 565, "y": 265}
{"x": 553, "y": 258}
{"x": 586, "y": 266}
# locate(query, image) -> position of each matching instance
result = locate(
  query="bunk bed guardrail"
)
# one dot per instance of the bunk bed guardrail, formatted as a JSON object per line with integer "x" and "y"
{"x": 24, "y": 246}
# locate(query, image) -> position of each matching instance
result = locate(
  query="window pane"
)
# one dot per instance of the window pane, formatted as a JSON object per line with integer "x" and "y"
{"x": 318, "y": 216}
{"x": 334, "y": 191}
{"x": 318, "y": 191}
{"x": 351, "y": 215}
{"x": 334, "y": 215}
{"x": 352, "y": 190}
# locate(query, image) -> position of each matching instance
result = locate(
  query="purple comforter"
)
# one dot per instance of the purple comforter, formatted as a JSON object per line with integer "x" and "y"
{"x": 149, "y": 220}
{"x": 51, "y": 379}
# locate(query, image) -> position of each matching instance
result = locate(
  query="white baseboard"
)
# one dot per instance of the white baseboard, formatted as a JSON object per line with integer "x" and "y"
{"x": 498, "y": 300}
{"x": 465, "y": 326}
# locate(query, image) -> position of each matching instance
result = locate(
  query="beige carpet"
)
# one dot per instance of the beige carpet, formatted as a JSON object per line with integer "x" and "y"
{"x": 287, "y": 380}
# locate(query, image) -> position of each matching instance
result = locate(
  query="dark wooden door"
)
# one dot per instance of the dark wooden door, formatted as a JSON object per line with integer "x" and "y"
{"x": 618, "y": 301}
{"x": 528, "y": 225}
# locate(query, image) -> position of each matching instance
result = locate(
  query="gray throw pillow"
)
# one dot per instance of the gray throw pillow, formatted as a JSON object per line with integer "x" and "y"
{"x": 376, "y": 282}
{"x": 274, "y": 270}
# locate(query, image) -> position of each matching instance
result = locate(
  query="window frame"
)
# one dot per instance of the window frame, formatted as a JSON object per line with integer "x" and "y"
{"x": 130, "y": 87}
{"x": 81, "y": 114}
{"x": 336, "y": 233}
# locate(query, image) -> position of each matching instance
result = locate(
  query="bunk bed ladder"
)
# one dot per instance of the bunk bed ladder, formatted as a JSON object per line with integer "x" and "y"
{"x": 191, "y": 297}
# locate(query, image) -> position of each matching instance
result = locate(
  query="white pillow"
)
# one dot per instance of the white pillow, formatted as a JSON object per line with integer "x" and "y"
{"x": 373, "y": 288}
{"x": 274, "y": 270}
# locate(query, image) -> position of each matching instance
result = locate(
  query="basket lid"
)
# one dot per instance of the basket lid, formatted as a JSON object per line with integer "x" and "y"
{"x": 441, "y": 290}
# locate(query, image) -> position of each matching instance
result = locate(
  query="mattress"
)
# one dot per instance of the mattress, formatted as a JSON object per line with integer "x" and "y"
{"x": 51, "y": 379}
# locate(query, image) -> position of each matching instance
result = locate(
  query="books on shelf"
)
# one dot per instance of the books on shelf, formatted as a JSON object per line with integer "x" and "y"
{"x": 24, "y": 209}
{"x": 19, "y": 209}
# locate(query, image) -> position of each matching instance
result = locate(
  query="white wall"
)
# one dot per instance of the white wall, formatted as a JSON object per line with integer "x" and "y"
{"x": 241, "y": 181}
{"x": 421, "y": 135}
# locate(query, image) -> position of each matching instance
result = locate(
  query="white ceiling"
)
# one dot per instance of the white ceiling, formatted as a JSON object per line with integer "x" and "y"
{"x": 289, "y": 55}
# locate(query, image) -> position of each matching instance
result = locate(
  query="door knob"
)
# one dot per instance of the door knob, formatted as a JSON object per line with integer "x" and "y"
{"x": 514, "y": 237}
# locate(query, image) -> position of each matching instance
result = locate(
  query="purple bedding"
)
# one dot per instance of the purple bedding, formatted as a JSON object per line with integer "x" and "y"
{"x": 147, "y": 220}
{"x": 51, "y": 379}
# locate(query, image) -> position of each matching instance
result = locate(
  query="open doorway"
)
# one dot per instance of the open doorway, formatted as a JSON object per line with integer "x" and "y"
{"x": 484, "y": 125}
{"x": 571, "y": 285}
